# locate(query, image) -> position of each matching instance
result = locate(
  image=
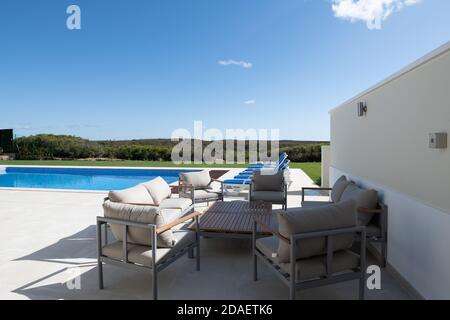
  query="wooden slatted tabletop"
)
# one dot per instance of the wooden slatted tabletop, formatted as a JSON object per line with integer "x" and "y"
{"x": 234, "y": 218}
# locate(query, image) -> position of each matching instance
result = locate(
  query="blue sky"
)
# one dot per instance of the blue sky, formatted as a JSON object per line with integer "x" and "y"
{"x": 142, "y": 68}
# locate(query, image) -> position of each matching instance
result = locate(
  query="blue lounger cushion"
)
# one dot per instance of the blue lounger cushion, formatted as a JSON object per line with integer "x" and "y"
{"x": 237, "y": 181}
{"x": 240, "y": 177}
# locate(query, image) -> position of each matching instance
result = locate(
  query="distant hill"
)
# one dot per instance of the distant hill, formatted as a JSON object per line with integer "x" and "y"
{"x": 169, "y": 143}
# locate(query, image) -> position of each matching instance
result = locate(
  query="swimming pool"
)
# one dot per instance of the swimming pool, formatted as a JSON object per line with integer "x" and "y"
{"x": 81, "y": 178}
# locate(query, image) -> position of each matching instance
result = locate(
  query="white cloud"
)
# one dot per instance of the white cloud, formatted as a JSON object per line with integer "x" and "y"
{"x": 250, "y": 102}
{"x": 229, "y": 62}
{"x": 370, "y": 11}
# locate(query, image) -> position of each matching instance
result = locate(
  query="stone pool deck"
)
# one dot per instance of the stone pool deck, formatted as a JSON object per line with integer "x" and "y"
{"x": 49, "y": 237}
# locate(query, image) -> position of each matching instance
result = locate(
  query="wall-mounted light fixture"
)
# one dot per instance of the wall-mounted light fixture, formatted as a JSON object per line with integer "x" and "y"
{"x": 362, "y": 109}
{"x": 438, "y": 140}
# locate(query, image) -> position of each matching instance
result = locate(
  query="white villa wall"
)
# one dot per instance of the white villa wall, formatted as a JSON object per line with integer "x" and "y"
{"x": 325, "y": 166}
{"x": 388, "y": 150}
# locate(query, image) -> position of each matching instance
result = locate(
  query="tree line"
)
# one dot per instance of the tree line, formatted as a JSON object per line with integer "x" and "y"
{"x": 51, "y": 147}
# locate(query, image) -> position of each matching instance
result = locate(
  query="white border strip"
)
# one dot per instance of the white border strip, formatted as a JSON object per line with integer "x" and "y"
{"x": 418, "y": 63}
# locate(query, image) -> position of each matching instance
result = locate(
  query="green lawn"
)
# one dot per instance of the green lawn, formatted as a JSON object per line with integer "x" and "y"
{"x": 312, "y": 169}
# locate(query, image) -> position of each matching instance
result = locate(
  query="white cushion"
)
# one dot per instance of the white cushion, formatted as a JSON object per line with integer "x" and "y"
{"x": 136, "y": 195}
{"x": 176, "y": 203}
{"x": 199, "y": 180}
{"x": 142, "y": 214}
{"x": 158, "y": 189}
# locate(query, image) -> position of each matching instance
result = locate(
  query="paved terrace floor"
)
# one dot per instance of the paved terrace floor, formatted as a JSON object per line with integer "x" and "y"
{"x": 49, "y": 237}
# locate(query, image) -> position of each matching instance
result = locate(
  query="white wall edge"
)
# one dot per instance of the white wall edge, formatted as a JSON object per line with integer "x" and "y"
{"x": 416, "y": 64}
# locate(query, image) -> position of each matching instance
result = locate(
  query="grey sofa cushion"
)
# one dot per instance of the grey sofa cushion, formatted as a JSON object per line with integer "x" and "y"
{"x": 144, "y": 214}
{"x": 268, "y": 182}
{"x": 268, "y": 196}
{"x": 137, "y": 195}
{"x": 309, "y": 268}
{"x": 364, "y": 198}
{"x": 143, "y": 254}
{"x": 315, "y": 204}
{"x": 158, "y": 189}
{"x": 199, "y": 180}
{"x": 176, "y": 203}
{"x": 338, "y": 188}
{"x": 302, "y": 220}
{"x": 201, "y": 194}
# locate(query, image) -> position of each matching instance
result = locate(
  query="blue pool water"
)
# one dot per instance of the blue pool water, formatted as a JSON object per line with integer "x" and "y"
{"x": 81, "y": 178}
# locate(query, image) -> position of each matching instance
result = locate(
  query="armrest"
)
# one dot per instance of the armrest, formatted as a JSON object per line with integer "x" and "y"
{"x": 313, "y": 188}
{"x": 271, "y": 230}
{"x": 185, "y": 186}
{"x": 125, "y": 223}
{"x": 317, "y": 188}
{"x": 177, "y": 222}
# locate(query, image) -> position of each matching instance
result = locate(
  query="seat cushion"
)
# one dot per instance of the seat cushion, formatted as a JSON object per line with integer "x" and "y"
{"x": 309, "y": 268}
{"x": 202, "y": 194}
{"x": 268, "y": 182}
{"x": 303, "y": 220}
{"x": 137, "y": 195}
{"x": 364, "y": 198}
{"x": 176, "y": 203}
{"x": 315, "y": 204}
{"x": 142, "y": 214}
{"x": 338, "y": 188}
{"x": 142, "y": 255}
{"x": 199, "y": 180}
{"x": 158, "y": 189}
{"x": 268, "y": 195}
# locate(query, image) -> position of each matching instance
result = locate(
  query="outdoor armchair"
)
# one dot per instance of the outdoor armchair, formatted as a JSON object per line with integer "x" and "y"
{"x": 200, "y": 187}
{"x": 149, "y": 228}
{"x": 270, "y": 188}
{"x": 311, "y": 247}
{"x": 372, "y": 213}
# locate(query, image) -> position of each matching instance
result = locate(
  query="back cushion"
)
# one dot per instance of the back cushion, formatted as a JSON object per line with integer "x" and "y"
{"x": 144, "y": 214}
{"x": 158, "y": 189}
{"x": 137, "y": 195}
{"x": 338, "y": 188}
{"x": 268, "y": 182}
{"x": 302, "y": 220}
{"x": 200, "y": 180}
{"x": 363, "y": 198}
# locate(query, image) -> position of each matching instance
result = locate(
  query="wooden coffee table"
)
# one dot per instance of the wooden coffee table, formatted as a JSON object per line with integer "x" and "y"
{"x": 233, "y": 219}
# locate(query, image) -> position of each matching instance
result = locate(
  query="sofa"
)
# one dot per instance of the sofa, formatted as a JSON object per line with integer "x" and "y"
{"x": 372, "y": 214}
{"x": 149, "y": 227}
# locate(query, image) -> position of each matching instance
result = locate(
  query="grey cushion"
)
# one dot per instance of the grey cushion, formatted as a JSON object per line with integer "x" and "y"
{"x": 176, "y": 203}
{"x": 144, "y": 214}
{"x": 315, "y": 204}
{"x": 309, "y": 268}
{"x": 268, "y": 195}
{"x": 268, "y": 182}
{"x": 199, "y": 180}
{"x": 201, "y": 194}
{"x": 338, "y": 188}
{"x": 137, "y": 194}
{"x": 364, "y": 198}
{"x": 158, "y": 189}
{"x": 303, "y": 220}
{"x": 143, "y": 254}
